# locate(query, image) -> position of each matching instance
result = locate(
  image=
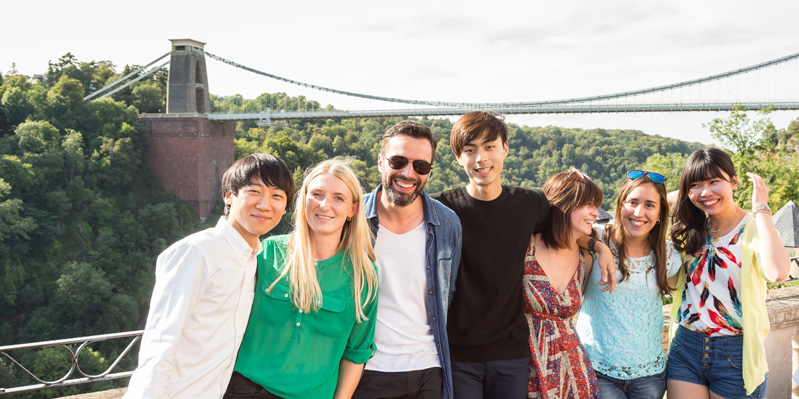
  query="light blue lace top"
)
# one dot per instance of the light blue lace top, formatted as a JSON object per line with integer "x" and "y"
{"x": 621, "y": 331}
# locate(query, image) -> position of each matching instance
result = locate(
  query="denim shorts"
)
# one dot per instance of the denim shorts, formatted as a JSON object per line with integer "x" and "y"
{"x": 714, "y": 362}
{"x": 649, "y": 387}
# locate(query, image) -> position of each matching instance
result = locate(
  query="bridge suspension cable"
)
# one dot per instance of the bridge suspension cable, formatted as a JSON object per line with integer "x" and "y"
{"x": 122, "y": 79}
{"x": 517, "y": 104}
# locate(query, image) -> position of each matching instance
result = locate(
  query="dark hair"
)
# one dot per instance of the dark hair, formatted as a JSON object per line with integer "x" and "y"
{"x": 657, "y": 236}
{"x": 474, "y": 125}
{"x": 566, "y": 192}
{"x": 411, "y": 129}
{"x": 270, "y": 169}
{"x": 689, "y": 227}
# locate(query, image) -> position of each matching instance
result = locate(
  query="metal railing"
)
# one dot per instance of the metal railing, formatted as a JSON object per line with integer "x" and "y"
{"x": 74, "y": 355}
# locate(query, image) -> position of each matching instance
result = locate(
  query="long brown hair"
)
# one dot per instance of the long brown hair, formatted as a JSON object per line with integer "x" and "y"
{"x": 657, "y": 236}
{"x": 689, "y": 227}
{"x": 567, "y": 192}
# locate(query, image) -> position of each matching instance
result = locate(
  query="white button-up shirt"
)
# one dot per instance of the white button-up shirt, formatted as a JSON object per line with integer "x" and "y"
{"x": 204, "y": 287}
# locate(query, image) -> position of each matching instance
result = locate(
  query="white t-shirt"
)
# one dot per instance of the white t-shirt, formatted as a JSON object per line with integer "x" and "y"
{"x": 403, "y": 336}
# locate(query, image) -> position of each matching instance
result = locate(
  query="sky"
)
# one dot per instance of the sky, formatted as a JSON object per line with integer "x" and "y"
{"x": 464, "y": 51}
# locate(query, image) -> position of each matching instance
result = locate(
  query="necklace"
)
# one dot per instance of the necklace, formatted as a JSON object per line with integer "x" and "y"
{"x": 708, "y": 227}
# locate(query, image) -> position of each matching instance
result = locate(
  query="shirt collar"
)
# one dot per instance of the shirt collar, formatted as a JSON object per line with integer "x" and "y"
{"x": 236, "y": 241}
{"x": 430, "y": 215}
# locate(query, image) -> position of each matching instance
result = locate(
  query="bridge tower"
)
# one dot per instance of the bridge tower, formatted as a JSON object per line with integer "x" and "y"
{"x": 188, "y": 152}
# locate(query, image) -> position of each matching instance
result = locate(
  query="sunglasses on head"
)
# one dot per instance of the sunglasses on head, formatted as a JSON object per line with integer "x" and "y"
{"x": 421, "y": 167}
{"x": 579, "y": 174}
{"x": 656, "y": 177}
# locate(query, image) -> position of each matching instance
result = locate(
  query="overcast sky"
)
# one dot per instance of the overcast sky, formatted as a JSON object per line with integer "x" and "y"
{"x": 451, "y": 51}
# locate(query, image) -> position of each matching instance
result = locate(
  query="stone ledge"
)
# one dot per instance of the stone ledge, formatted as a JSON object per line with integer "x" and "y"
{"x": 109, "y": 394}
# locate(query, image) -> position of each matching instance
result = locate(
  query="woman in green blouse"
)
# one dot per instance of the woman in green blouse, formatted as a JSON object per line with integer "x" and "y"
{"x": 311, "y": 329}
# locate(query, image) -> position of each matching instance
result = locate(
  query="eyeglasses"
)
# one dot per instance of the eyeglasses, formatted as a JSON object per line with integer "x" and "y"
{"x": 579, "y": 174}
{"x": 421, "y": 167}
{"x": 656, "y": 177}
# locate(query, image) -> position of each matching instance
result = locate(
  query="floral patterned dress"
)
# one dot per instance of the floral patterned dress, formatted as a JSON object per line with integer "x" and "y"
{"x": 559, "y": 367}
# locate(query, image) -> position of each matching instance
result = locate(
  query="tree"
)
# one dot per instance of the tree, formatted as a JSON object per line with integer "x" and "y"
{"x": 148, "y": 98}
{"x": 741, "y": 134}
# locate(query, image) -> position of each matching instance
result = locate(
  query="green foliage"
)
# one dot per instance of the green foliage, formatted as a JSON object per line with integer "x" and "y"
{"x": 757, "y": 146}
{"x": 81, "y": 217}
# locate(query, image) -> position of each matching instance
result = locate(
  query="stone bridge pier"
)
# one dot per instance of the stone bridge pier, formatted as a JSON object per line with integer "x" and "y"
{"x": 188, "y": 152}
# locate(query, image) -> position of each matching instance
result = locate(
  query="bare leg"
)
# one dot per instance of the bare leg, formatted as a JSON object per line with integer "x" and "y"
{"x": 685, "y": 390}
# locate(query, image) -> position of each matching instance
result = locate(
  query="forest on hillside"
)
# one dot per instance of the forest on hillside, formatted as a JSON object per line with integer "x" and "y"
{"x": 82, "y": 219}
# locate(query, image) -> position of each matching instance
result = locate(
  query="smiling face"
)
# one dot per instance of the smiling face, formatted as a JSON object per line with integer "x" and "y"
{"x": 714, "y": 195}
{"x": 640, "y": 211}
{"x": 328, "y": 204}
{"x": 403, "y": 186}
{"x": 482, "y": 160}
{"x": 582, "y": 220}
{"x": 255, "y": 209}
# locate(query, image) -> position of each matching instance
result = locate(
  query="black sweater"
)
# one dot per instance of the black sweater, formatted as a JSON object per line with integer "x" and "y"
{"x": 486, "y": 320}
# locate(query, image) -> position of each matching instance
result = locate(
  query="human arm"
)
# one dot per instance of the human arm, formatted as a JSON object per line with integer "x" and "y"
{"x": 775, "y": 260}
{"x": 181, "y": 277}
{"x": 607, "y": 266}
{"x": 349, "y": 374}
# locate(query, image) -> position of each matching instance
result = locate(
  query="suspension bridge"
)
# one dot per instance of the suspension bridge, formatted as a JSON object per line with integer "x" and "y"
{"x": 772, "y": 83}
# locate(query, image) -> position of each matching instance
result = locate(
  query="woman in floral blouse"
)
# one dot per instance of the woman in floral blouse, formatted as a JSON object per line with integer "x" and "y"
{"x": 719, "y": 319}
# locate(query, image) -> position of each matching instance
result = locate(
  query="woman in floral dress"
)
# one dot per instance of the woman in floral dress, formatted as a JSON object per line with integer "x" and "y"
{"x": 554, "y": 276}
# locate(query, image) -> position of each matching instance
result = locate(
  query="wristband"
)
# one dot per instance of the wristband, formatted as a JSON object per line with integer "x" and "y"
{"x": 761, "y": 208}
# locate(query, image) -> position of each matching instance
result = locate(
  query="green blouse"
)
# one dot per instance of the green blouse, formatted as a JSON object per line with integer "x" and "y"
{"x": 294, "y": 354}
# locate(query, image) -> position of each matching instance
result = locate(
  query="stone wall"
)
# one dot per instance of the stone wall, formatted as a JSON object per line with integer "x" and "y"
{"x": 189, "y": 154}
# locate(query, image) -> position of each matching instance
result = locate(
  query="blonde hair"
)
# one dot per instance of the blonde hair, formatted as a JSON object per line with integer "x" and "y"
{"x": 356, "y": 240}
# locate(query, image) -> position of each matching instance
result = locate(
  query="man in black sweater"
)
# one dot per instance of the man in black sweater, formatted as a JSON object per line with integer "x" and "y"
{"x": 488, "y": 333}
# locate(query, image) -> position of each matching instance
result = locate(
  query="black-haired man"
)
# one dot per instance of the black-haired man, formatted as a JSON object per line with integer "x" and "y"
{"x": 205, "y": 285}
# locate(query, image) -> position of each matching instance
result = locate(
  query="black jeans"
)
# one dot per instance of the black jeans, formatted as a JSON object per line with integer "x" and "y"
{"x": 240, "y": 387}
{"x": 417, "y": 384}
{"x": 498, "y": 379}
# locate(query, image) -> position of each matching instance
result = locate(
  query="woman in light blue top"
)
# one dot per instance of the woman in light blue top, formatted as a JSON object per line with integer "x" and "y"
{"x": 621, "y": 331}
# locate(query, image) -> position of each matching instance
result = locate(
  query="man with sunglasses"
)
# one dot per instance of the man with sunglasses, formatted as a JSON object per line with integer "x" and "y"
{"x": 418, "y": 248}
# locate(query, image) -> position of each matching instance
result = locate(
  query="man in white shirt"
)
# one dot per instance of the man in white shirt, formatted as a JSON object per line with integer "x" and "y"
{"x": 418, "y": 249}
{"x": 204, "y": 288}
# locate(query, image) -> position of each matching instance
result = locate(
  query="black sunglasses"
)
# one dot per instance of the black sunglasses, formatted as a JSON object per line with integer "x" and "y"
{"x": 421, "y": 167}
{"x": 656, "y": 177}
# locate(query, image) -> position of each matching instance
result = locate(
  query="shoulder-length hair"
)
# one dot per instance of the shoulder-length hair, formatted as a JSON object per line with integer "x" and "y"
{"x": 356, "y": 241}
{"x": 690, "y": 223}
{"x": 567, "y": 192}
{"x": 615, "y": 233}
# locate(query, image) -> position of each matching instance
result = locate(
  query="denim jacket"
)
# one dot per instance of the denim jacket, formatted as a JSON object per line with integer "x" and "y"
{"x": 443, "y": 249}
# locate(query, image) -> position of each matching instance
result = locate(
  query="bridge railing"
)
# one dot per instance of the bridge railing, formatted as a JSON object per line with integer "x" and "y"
{"x": 81, "y": 376}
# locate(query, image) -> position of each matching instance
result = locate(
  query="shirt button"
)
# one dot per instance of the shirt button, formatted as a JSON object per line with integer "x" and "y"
{"x": 428, "y": 266}
{"x": 300, "y": 310}
{"x": 429, "y": 292}
{"x": 706, "y": 355}
{"x": 298, "y": 324}
{"x": 285, "y": 295}
{"x": 707, "y": 348}
{"x": 707, "y": 339}
{"x": 434, "y": 318}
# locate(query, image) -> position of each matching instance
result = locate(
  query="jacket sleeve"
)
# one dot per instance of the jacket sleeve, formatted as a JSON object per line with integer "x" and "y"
{"x": 180, "y": 279}
{"x": 456, "y": 263}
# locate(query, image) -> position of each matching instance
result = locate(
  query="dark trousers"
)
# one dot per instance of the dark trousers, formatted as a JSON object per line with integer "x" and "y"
{"x": 498, "y": 379}
{"x": 417, "y": 384}
{"x": 240, "y": 387}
